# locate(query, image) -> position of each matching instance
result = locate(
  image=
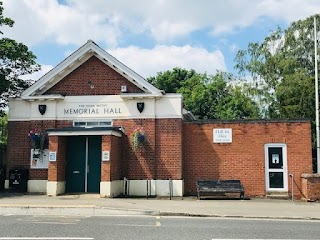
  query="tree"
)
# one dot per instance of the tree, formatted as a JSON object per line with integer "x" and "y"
{"x": 206, "y": 96}
{"x": 15, "y": 60}
{"x": 171, "y": 81}
{"x": 282, "y": 68}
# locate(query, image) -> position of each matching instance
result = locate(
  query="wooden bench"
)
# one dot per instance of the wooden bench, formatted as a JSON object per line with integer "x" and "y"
{"x": 214, "y": 187}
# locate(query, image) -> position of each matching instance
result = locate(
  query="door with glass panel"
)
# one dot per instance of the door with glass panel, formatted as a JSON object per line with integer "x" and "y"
{"x": 276, "y": 167}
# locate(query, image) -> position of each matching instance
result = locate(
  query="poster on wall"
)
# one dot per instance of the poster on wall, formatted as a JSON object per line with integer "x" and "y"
{"x": 275, "y": 158}
{"x": 39, "y": 159}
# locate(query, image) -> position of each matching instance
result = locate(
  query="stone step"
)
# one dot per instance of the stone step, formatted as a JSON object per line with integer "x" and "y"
{"x": 278, "y": 195}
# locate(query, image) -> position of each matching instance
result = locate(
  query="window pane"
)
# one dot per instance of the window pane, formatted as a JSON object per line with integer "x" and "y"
{"x": 79, "y": 124}
{"x": 92, "y": 124}
{"x": 105, "y": 123}
{"x": 276, "y": 179}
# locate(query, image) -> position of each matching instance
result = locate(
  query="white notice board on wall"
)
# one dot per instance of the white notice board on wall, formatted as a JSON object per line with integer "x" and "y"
{"x": 222, "y": 135}
{"x": 39, "y": 159}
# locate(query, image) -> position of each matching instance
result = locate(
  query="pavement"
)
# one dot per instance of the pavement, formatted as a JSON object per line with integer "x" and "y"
{"x": 93, "y": 205}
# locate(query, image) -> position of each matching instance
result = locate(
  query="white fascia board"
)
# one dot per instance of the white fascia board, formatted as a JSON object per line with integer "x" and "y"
{"x": 140, "y": 95}
{"x": 43, "y": 97}
{"x": 79, "y": 55}
{"x": 148, "y": 95}
{"x": 85, "y": 133}
{"x": 173, "y": 95}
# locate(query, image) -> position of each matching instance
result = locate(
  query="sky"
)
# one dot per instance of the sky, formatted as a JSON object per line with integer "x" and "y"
{"x": 150, "y": 36}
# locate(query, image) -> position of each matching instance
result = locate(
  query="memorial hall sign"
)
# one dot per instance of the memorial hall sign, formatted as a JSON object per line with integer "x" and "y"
{"x": 93, "y": 110}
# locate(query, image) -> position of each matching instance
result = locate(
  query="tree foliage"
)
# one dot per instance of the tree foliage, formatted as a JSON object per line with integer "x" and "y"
{"x": 3, "y": 131}
{"x": 282, "y": 68}
{"x": 15, "y": 60}
{"x": 207, "y": 97}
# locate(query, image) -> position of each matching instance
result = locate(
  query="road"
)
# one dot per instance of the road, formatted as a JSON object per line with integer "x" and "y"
{"x": 152, "y": 227}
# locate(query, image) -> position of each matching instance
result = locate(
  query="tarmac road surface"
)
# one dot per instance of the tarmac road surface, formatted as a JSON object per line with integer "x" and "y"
{"x": 49, "y": 227}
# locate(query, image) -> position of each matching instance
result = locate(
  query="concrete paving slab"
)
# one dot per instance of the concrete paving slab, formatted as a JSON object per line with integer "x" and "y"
{"x": 92, "y": 204}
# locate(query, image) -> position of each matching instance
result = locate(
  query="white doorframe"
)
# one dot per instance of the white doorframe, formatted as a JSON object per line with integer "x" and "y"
{"x": 284, "y": 169}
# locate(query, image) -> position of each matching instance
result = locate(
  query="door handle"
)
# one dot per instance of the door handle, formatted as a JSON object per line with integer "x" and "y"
{"x": 76, "y": 171}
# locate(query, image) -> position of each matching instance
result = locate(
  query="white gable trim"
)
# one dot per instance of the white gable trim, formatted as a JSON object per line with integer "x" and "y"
{"x": 76, "y": 59}
{"x": 43, "y": 97}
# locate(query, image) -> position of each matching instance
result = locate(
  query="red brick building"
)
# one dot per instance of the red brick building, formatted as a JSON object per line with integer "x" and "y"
{"x": 105, "y": 123}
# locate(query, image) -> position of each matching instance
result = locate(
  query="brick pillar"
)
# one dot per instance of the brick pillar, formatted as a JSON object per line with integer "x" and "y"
{"x": 105, "y": 184}
{"x": 310, "y": 184}
{"x": 106, "y": 165}
{"x": 56, "y": 169}
{"x": 110, "y": 184}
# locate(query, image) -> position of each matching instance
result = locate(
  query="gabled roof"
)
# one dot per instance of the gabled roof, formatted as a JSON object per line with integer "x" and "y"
{"x": 79, "y": 57}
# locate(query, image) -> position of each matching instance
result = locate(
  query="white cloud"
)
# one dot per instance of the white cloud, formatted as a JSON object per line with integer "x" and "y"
{"x": 289, "y": 10}
{"x": 40, "y": 21}
{"x": 147, "y": 62}
{"x": 39, "y": 74}
{"x": 165, "y": 20}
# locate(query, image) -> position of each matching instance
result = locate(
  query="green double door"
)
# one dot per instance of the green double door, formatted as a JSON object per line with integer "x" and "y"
{"x": 83, "y": 169}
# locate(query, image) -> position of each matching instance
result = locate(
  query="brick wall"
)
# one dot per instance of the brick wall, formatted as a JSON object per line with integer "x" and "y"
{"x": 18, "y": 145}
{"x": 106, "y": 165}
{"x": 169, "y": 148}
{"x": 57, "y": 170}
{"x": 161, "y": 156}
{"x": 139, "y": 164}
{"x": 244, "y": 158}
{"x": 310, "y": 187}
{"x": 115, "y": 156}
{"x": 105, "y": 80}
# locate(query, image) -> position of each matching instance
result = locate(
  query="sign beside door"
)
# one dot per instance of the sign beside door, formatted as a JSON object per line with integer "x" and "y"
{"x": 52, "y": 156}
{"x": 105, "y": 155}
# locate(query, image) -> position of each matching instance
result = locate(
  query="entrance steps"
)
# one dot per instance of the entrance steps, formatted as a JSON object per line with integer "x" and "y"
{"x": 278, "y": 195}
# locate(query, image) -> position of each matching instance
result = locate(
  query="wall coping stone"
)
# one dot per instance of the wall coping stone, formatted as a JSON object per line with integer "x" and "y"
{"x": 310, "y": 175}
{"x": 247, "y": 121}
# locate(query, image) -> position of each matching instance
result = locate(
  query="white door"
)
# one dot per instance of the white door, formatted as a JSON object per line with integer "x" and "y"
{"x": 276, "y": 167}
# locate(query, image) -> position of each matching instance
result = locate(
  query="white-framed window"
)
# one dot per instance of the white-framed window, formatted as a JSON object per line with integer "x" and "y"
{"x": 93, "y": 123}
